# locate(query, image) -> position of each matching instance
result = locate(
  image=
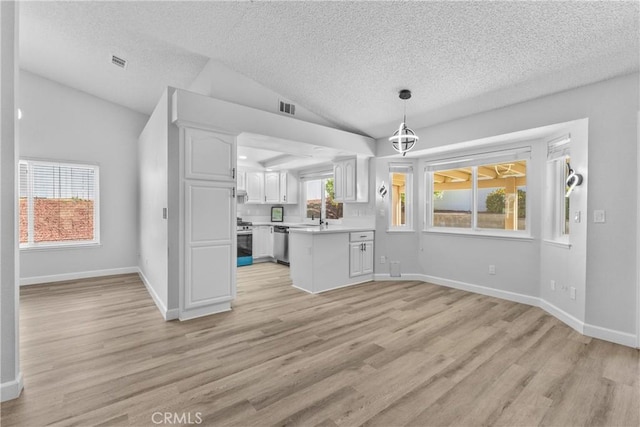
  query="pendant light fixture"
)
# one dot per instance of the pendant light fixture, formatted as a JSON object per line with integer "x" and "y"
{"x": 404, "y": 139}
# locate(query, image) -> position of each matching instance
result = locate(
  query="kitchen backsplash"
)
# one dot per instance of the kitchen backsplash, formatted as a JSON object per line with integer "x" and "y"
{"x": 355, "y": 214}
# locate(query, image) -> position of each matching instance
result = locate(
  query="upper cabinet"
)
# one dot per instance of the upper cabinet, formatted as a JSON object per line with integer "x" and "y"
{"x": 288, "y": 188}
{"x": 351, "y": 180}
{"x": 241, "y": 180}
{"x": 255, "y": 187}
{"x": 272, "y": 187}
{"x": 269, "y": 187}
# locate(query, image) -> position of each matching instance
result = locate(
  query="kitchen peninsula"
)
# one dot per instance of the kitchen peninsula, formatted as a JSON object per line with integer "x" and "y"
{"x": 328, "y": 258}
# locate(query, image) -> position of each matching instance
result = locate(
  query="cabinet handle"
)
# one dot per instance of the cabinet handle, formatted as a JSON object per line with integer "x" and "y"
{"x": 233, "y": 192}
{"x": 233, "y": 173}
{"x": 265, "y": 198}
{"x": 285, "y": 197}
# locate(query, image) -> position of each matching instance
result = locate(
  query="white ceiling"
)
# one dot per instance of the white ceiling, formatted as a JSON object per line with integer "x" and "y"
{"x": 344, "y": 61}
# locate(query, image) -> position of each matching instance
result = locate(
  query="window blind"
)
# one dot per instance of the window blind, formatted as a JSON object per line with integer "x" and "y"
{"x": 558, "y": 147}
{"x": 58, "y": 202}
{"x": 462, "y": 161}
{"x": 400, "y": 168}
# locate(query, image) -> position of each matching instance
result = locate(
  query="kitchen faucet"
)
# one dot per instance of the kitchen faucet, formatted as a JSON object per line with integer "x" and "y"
{"x": 320, "y": 220}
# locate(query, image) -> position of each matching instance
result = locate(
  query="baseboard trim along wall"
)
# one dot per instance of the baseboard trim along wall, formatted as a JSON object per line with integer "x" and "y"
{"x": 618, "y": 337}
{"x": 166, "y": 314}
{"x": 11, "y": 389}
{"x": 26, "y": 281}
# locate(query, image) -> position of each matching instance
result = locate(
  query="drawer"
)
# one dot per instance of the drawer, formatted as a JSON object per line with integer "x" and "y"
{"x": 361, "y": 236}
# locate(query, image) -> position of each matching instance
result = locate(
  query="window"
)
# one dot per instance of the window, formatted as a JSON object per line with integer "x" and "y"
{"x": 558, "y": 157}
{"x": 400, "y": 206}
{"x": 319, "y": 199}
{"x": 481, "y": 192}
{"x": 58, "y": 204}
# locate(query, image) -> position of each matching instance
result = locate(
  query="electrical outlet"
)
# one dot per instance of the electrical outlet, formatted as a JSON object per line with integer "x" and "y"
{"x": 492, "y": 269}
{"x": 572, "y": 292}
{"x": 599, "y": 216}
{"x": 383, "y": 259}
{"x": 553, "y": 285}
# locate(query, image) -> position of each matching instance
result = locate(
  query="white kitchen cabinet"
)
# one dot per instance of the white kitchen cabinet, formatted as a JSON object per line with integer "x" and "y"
{"x": 351, "y": 180}
{"x": 209, "y": 247}
{"x": 255, "y": 187}
{"x": 288, "y": 188}
{"x": 321, "y": 260}
{"x": 241, "y": 180}
{"x": 262, "y": 241}
{"x": 272, "y": 187}
{"x": 361, "y": 254}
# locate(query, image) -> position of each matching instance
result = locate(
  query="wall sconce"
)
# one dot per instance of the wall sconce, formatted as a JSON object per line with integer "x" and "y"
{"x": 573, "y": 180}
{"x": 382, "y": 190}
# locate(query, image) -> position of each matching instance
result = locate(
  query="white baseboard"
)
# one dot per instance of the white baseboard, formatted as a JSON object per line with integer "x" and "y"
{"x": 205, "y": 311}
{"x": 25, "y": 281}
{"x": 562, "y": 315}
{"x": 11, "y": 389}
{"x": 618, "y": 337}
{"x": 166, "y": 314}
{"x": 483, "y": 290}
{"x": 611, "y": 335}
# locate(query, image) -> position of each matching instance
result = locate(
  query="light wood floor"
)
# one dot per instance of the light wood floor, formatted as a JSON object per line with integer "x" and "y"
{"x": 97, "y": 352}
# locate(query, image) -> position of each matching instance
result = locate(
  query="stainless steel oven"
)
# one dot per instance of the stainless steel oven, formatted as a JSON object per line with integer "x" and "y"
{"x": 244, "y": 231}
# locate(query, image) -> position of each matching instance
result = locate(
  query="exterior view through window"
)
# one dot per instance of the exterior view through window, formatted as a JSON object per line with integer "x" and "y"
{"x": 320, "y": 199}
{"x": 501, "y": 196}
{"x": 398, "y": 199}
{"x": 58, "y": 203}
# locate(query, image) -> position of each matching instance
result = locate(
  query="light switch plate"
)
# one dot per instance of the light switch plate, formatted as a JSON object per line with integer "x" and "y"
{"x": 599, "y": 216}
{"x": 576, "y": 217}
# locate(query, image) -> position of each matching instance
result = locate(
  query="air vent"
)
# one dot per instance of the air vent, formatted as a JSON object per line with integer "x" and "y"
{"x": 119, "y": 62}
{"x": 287, "y": 108}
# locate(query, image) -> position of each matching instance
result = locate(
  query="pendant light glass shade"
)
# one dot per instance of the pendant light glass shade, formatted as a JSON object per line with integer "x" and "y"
{"x": 404, "y": 139}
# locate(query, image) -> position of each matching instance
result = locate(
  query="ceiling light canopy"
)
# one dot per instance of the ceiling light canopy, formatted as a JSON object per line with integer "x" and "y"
{"x": 404, "y": 139}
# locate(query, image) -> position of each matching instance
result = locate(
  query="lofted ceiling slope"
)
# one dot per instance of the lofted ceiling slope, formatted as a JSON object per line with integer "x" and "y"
{"x": 344, "y": 61}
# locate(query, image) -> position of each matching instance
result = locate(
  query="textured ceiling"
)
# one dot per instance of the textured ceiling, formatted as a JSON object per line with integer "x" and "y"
{"x": 344, "y": 61}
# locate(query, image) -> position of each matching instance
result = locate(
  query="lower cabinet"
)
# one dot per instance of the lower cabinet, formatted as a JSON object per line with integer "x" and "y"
{"x": 360, "y": 258}
{"x": 360, "y": 253}
{"x": 263, "y": 241}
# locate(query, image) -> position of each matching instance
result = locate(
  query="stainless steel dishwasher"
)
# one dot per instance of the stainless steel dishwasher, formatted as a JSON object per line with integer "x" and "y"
{"x": 281, "y": 244}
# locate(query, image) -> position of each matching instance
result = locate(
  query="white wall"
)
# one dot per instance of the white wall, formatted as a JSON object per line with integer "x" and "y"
{"x": 10, "y": 375}
{"x": 611, "y": 107}
{"x": 61, "y": 123}
{"x": 153, "y": 190}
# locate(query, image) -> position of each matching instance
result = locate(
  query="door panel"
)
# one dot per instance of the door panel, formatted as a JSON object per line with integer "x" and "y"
{"x": 210, "y": 213}
{"x": 367, "y": 258}
{"x": 355, "y": 259}
{"x": 208, "y": 155}
{"x": 208, "y": 275}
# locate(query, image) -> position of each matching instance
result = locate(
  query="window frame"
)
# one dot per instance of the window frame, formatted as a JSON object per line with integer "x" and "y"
{"x": 322, "y": 177}
{"x": 407, "y": 169}
{"x": 473, "y": 161}
{"x": 558, "y": 151}
{"x": 30, "y": 244}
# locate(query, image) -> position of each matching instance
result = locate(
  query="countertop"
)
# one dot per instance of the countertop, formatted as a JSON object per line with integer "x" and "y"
{"x": 283, "y": 224}
{"x": 331, "y": 229}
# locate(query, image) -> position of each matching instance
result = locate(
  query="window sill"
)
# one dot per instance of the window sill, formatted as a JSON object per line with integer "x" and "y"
{"x": 398, "y": 230}
{"x": 481, "y": 234}
{"x": 558, "y": 244}
{"x": 55, "y": 247}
